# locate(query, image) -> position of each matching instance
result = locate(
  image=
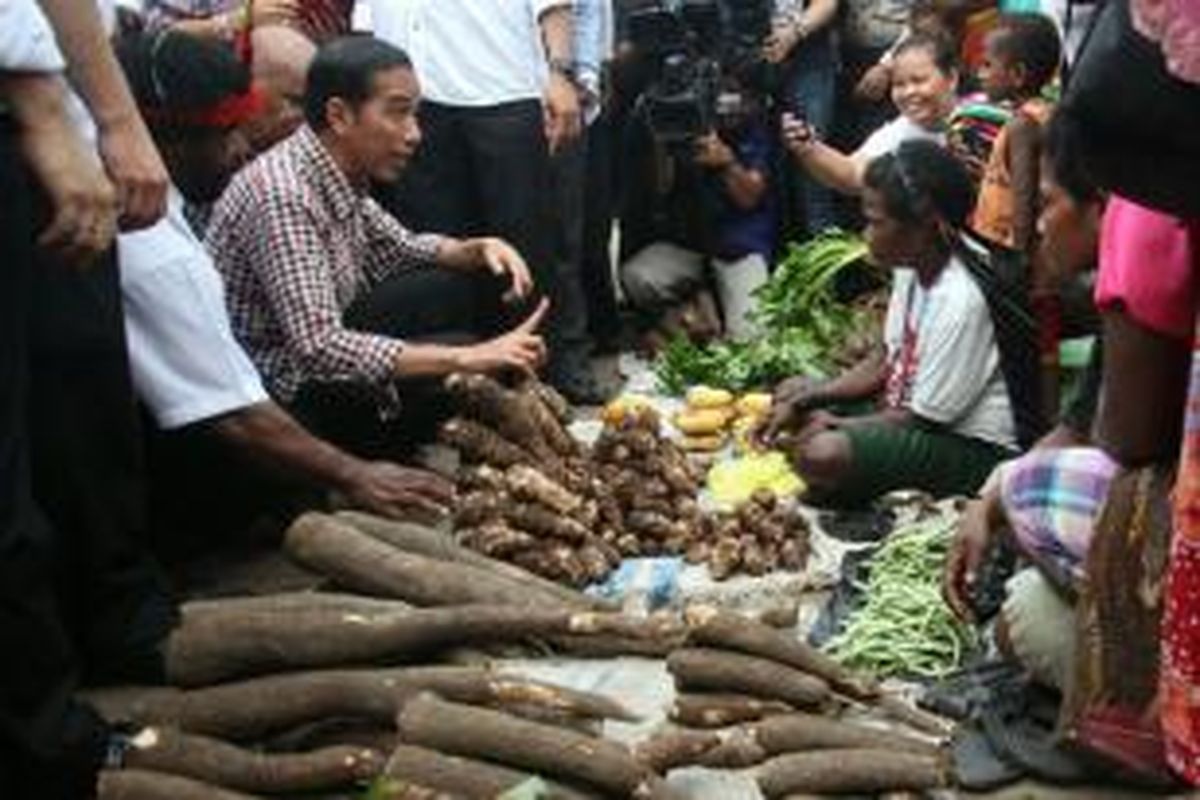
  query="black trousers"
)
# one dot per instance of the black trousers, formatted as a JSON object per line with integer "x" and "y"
{"x": 429, "y": 306}
{"x": 79, "y": 600}
{"x": 600, "y": 205}
{"x": 483, "y": 171}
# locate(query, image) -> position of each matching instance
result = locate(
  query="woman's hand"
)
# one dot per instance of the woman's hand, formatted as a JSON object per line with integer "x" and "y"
{"x": 966, "y": 554}
{"x": 791, "y": 405}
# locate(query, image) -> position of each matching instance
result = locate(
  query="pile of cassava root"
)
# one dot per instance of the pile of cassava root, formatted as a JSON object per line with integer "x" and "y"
{"x": 316, "y": 692}
{"x": 532, "y": 495}
{"x": 748, "y": 695}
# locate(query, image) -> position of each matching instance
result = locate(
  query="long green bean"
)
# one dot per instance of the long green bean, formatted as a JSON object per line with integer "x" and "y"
{"x": 903, "y": 627}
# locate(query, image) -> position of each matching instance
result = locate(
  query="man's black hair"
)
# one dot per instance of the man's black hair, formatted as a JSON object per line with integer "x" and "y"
{"x": 346, "y": 68}
{"x": 920, "y": 179}
{"x": 1032, "y": 40}
{"x": 940, "y": 48}
{"x": 176, "y": 71}
{"x": 1063, "y": 154}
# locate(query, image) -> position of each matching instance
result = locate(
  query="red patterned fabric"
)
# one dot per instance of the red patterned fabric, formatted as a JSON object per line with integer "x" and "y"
{"x": 1180, "y": 670}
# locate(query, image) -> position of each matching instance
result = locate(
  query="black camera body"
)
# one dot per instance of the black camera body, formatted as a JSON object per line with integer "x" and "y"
{"x": 690, "y": 47}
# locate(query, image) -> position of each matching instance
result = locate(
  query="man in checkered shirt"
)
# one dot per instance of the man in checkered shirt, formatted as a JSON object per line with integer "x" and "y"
{"x": 322, "y": 284}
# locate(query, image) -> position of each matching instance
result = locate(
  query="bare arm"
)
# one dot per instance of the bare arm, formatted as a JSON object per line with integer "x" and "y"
{"x": 865, "y": 379}
{"x": 786, "y": 38}
{"x": 129, "y": 155}
{"x": 1141, "y": 367}
{"x": 561, "y": 99}
{"x": 1025, "y": 152}
{"x": 82, "y": 199}
{"x": 268, "y": 435}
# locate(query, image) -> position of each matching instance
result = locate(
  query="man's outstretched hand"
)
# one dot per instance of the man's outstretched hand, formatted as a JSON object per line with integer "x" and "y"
{"x": 391, "y": 490}
{"x": 521, "y": 349}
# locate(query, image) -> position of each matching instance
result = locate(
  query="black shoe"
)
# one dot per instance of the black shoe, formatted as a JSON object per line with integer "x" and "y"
{"x": 582, "y": 389}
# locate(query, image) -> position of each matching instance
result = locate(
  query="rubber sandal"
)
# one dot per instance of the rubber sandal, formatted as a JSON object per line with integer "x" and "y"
{"x": 977, "y": 767}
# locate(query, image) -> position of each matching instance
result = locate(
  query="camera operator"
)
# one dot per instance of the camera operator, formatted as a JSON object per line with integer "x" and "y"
{"x": 711, "y": 216}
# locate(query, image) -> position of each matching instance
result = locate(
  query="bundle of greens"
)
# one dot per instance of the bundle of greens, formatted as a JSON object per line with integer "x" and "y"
{"x": 802, "y": 325}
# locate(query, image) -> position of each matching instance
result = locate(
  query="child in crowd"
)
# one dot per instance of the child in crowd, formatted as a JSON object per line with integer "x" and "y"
{"x": 1022, "y": 56}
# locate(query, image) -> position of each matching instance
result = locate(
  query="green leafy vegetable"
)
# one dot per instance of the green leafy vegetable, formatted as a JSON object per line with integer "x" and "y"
{"x": 802, "y": 325}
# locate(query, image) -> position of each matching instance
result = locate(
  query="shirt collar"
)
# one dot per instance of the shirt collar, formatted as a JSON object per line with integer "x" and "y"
{"x": 330, "y": 180}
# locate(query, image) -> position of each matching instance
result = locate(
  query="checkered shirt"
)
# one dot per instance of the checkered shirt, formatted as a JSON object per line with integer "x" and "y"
{"x": 297, "y": 244}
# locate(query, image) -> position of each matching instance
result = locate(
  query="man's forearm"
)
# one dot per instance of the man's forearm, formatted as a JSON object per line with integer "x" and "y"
{"x": 34, "y": 98}
{"x": 461, "y": 254}
{"x": 425, "y": 360}
{"x": 91, "y": 65}
{"x": 556, "y": 27}
{"x": 273, "y": 439}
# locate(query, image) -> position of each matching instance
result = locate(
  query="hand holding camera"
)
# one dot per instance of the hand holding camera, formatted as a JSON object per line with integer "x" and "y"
{"x": 798, "y": 136}
{"x": 711, "y": 151}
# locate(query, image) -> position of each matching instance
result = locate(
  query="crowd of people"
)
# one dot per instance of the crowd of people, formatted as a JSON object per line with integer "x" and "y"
{"x": 244, "y": 241}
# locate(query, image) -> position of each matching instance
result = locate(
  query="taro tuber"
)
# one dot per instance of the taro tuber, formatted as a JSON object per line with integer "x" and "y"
{"x": 497, "y": 540}
{"x": 481, "y": 733}
{"x": 715, "y": 628}
{"x": 539, "y": 520}
{"x": 437, "y": 544}
{"x": 703, "y": 669}
{"x": 549, "y": 426}
{"x": 137, "y": 784}
{"x": 212, "y": 761}
{"x": 529, "y": 484}
{"x": 849, "y": 772}
{"x": 488, "y": 402}
{"x": 551, "y": 398}
{"x": 480, "y": 444}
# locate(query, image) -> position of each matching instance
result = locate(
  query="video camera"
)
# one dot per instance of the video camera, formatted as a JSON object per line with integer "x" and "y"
{"x": 690, "y": 45}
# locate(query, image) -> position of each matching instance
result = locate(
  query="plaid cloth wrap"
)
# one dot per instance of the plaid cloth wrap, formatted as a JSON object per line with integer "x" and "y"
{"x": 1052, "y": 499}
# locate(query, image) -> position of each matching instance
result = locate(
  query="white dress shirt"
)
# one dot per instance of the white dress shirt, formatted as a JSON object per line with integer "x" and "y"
{"x": 186, "y": 364}
{"x": 474, "y": 53}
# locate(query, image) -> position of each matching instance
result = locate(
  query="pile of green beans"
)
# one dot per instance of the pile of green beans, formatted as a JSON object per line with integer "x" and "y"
{"x": 903, "y": 627}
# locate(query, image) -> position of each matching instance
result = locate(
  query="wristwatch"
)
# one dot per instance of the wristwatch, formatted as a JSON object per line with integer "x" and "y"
{"x": 562, "y": 66}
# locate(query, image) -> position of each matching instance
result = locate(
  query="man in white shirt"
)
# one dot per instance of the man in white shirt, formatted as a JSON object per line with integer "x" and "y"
{"x": 498, "y": 100}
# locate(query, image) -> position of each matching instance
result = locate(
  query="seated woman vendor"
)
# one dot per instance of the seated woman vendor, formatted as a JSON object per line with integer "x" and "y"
{"x": 929, "y": 409}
